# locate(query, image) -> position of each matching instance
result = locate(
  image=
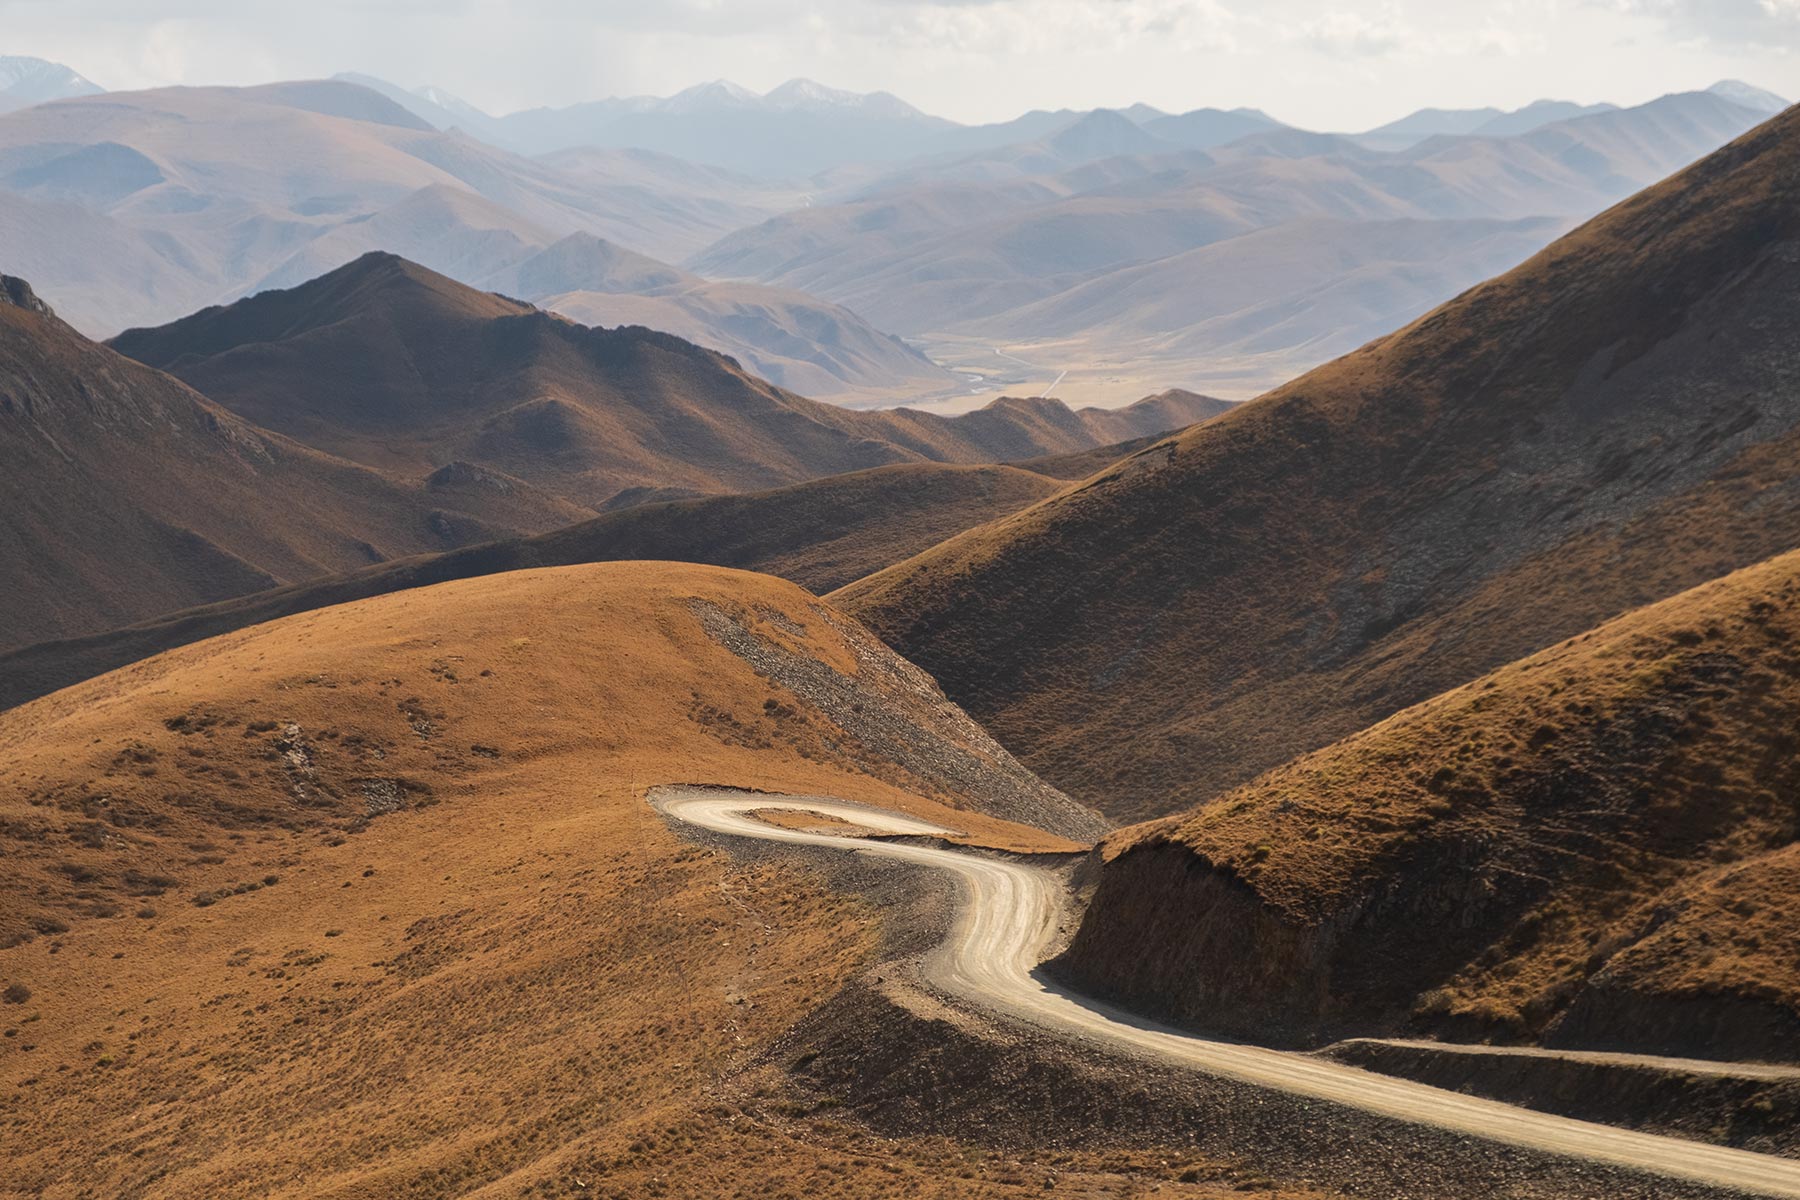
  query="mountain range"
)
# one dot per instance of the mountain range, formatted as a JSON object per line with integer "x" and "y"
{"x": 383, "y": 411}
{"x": 1109, "y": 268}
{"x": 1007, "y": 255}
{"x": 395, "y": 669}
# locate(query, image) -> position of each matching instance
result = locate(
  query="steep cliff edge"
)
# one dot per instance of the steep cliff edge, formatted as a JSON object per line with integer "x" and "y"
{"x": 1594, "y": 846}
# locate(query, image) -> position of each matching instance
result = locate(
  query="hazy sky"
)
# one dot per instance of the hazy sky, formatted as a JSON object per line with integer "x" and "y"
{"x": 1316, "y": 63}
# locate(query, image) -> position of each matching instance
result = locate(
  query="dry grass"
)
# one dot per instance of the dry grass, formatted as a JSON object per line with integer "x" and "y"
{"x": 369, "y": 902}
{"x": 1595, "y": 845}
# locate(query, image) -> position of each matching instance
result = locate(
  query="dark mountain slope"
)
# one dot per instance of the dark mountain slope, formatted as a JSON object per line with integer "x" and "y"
{"x": 389, "y": 364}
{"x": 1608, "y": 424}
{"x": 126, "y": 494}
{"x": 820, "y": 534}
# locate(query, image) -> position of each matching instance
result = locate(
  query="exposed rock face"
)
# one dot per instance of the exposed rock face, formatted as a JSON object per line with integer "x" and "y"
{"x": 18, "y": 293}
{"x": 1171, "y": 934}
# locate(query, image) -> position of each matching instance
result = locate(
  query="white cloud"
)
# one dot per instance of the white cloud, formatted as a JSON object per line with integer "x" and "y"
{"x": 1327, "y": 63}
{"x": 1022, "y": 27}
{"x": 1774, "y": 24}
{"x": 1351, "y": 33}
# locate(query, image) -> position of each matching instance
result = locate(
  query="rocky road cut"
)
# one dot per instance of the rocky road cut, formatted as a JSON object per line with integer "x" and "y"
{"x": 1008, "y": 919}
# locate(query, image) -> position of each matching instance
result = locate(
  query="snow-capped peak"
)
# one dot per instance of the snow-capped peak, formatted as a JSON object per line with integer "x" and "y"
{"x": 34, "y": 80}
{"x": 1748, "y": 96}
{"x": 806, "y": 95}
{"x": 447, "y": 101}
{"x": 720, "y": 93}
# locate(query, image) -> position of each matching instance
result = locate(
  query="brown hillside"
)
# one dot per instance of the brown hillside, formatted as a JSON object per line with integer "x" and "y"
{"x": 1610, "y": 423}
{"x": 1593, "y": 847}
{"x": 126, "y": 494}
{"x": 821, "y": 535}
{"x": 380, "y": 883}
{"x": 388, "y": 364}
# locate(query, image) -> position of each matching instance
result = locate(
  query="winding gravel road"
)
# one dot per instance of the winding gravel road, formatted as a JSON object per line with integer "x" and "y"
{"x": 1009, "y": 918}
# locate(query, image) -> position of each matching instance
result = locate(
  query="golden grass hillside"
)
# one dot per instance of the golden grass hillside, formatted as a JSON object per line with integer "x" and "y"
{"x": 1611, "y": 423}
{"x": 368, "y": 902}
{"x": 1593, "y": 847}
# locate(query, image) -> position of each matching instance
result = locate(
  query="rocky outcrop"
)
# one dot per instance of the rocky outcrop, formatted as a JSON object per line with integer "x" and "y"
{"x": 18, "y": 293}
{"x": 1172, "y": 933}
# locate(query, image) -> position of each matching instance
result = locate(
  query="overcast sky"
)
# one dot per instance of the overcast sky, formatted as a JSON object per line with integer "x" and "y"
{"x": 1325, "y": 65}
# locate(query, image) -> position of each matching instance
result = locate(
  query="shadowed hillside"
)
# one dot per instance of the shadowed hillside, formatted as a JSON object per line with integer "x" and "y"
{"x": 126, "y": 494}
{"x": 1609, "y": 424}
{"x": 1593, "y": 847}
{"x": 821, "y": 535}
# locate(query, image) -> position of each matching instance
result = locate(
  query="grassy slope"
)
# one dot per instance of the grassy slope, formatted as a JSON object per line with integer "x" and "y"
{"x": 1602, "y": 427}
{"x": 1594, "y": 846}
{"x": 520, "y": 978}
{"x": 820, "y": 534}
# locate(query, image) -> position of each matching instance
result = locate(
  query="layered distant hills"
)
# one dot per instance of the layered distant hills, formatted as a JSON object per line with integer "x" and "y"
{"x": 805, "y": 231}
{"x": 1231, "y": 268}
{"x": 388, "y": 364}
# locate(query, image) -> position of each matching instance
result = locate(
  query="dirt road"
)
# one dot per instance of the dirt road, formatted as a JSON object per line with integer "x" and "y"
{"x": 1009, "y": 917}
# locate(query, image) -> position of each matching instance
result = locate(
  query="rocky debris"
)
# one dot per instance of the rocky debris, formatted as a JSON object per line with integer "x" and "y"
{"x": 298, "y": 756}
{"x": 382, "y": 796}
{"x": 293, "y": 747}
{"x": 1753, "y": 1109}
{"x": 897, "y": 713}
{"x": 466, "y": 474}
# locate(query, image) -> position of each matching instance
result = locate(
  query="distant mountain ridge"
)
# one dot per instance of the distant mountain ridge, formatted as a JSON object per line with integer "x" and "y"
{"x": 1121, "y": 262}
{"x": 452, "y": 416}
{"x": 157, "y": 203}
{"x": 394, "y": 366}
{"x": 800, "y": 128}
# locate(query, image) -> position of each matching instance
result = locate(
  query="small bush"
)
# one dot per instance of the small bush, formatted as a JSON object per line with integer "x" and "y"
{"x": 16, "y": 993}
